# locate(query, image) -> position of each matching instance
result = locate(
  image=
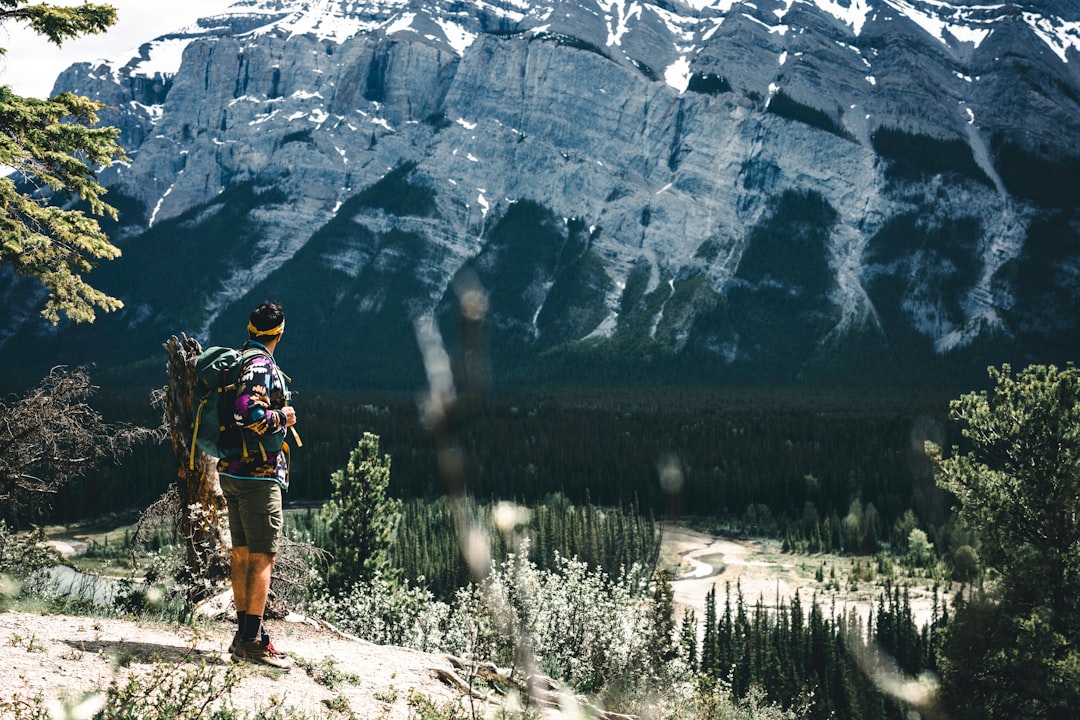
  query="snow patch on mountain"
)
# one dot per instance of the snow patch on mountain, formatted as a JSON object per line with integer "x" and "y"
{"x": 618, "y": 16}
{"x": 778, "y": 29}
{"x": 154, "y": 112}
{"x": 850, "y": 12}
{"x": 401, "y": 24}
{"x": 677, "y": 75}
{"x": 338, "y": 20}
{"x": 458, "y": 37}
{"x": 1061, "y": 36}
{"x": 164, "y": 57}
{"x": 157, "y": 207}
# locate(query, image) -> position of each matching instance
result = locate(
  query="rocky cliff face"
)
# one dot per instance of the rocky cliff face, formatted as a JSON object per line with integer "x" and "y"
{"x": 694, "y": 190}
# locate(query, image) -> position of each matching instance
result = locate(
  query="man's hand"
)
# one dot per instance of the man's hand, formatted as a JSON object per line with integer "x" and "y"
{"x": 290, "y": 415}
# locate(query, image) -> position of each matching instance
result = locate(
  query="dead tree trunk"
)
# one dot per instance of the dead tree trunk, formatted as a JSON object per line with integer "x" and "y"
{"x": 200, "y": 506}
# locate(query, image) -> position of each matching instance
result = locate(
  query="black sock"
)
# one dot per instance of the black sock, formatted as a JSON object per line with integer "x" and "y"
{"x": 264, "y": 635}
{"x": 252, "y": 623}
{"x": 240, "y": 615}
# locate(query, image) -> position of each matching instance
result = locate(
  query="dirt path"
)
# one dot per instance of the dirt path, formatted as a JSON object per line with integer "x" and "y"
{"x": 65, "y": 655}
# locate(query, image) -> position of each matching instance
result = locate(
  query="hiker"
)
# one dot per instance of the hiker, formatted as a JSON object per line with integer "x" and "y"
{"x": 253, "y": 479}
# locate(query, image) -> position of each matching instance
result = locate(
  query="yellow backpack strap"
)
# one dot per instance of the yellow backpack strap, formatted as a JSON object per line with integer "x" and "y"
{"x": 198, "y": 415}
{"x": 296, "y": 435}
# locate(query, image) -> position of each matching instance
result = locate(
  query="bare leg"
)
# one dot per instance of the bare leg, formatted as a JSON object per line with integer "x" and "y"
{"x": 238, "y": 575}
{"x": 257, "y": 583}
{"x": 252, "y": 574}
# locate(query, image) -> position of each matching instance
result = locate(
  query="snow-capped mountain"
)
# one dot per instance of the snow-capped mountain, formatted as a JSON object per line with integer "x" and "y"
{"x": 713, "y": 189}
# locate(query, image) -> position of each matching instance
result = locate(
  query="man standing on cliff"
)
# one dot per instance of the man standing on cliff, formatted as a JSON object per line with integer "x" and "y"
{"x": 253, "y": 477}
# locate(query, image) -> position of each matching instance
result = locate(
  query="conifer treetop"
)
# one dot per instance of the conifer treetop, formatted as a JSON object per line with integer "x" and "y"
{"x": 56, "y": 148}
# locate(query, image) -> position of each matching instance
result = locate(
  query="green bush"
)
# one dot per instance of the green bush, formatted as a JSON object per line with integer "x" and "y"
{"x": 22, "y": 554}
{"x": 386, "y": 612}
{"x": 583, "y": 627}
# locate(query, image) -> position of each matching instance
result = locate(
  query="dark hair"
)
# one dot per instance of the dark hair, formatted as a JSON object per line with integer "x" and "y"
{"x": 265, "y": 317}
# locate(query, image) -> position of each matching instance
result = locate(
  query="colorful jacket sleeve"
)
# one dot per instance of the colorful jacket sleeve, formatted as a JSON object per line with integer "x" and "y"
{"x": 254, "y": 410}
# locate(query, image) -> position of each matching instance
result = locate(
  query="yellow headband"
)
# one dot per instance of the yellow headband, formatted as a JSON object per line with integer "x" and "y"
{"x": 272, "y": 331}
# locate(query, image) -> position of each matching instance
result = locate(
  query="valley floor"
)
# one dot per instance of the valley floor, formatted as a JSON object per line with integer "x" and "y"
{"x": 762, "y": 571}
{"x": 67, "y": 656}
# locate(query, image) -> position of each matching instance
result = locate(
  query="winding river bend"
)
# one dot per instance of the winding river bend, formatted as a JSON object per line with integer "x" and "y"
{"x": 761, "y": 571}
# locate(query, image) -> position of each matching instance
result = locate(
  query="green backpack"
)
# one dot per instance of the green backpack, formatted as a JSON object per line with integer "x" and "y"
{"x": 217, "y": 372}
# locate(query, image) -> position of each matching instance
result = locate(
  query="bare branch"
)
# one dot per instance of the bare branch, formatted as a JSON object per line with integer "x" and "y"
{"x": 50, "y": 436}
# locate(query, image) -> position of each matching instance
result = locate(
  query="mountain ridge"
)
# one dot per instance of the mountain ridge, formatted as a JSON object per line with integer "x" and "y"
{"x": 662, "y": 159}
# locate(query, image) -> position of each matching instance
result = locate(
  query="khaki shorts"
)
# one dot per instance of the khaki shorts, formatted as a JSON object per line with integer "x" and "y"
{"x": 255, "y": 517}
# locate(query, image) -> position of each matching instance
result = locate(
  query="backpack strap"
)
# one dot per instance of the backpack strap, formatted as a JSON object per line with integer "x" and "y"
{"x": 251, "y": 349}
{"x": 284, "y": 380}
{"x": 198, "y": 417}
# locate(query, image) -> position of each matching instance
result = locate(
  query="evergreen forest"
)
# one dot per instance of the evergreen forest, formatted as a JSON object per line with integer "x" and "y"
{"x": 782, "y": 464}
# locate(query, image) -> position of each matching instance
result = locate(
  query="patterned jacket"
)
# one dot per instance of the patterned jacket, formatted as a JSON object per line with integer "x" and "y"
{"x": 260, "y": 394}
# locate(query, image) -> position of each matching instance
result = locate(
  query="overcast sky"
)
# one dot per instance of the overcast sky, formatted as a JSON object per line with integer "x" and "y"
{"x": 32, "y": 64}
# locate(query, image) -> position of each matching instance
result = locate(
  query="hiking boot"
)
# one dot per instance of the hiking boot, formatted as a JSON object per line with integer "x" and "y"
{"x": 236, "y": 640}
{"x": 267, "y": 643}
{"x": 255, "y": 652}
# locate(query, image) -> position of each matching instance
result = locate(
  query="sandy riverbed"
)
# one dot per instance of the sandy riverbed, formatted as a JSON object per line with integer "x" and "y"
{"x": 763, "y": 571}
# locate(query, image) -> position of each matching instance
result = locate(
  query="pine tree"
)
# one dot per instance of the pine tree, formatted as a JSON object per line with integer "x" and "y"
{"x": 661, "y": 648}
{"x": 1016, "y": 652}
{"x": 741, "y": 665}
{"x": 361, "y": 518}
{"x": 688, "y": 645}
{"x": 725, "y": 636}
{"x": 709, "y": 643}
{"x": 53, "y": 146}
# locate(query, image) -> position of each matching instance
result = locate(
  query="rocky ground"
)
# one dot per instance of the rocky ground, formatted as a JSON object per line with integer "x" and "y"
{"x": 60, "y": 656}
